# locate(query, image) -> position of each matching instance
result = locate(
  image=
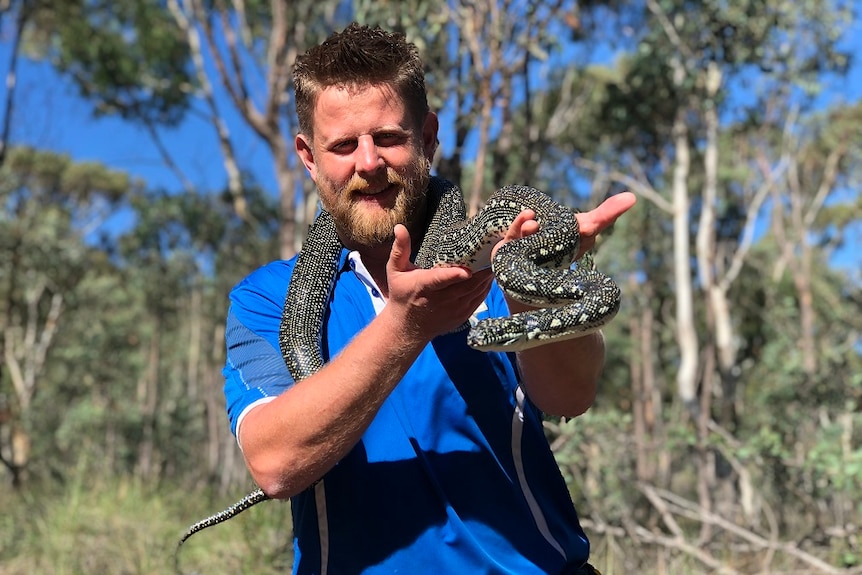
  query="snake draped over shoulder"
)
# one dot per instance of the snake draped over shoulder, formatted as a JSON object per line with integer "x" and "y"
{"x": 536, "y": 270}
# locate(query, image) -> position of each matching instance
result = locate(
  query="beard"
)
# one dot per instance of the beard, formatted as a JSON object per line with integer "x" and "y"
{"x": 363, "y": 224}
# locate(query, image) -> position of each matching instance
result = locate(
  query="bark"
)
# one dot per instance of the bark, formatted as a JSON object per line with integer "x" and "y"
{"x": 148, "y": 399}
{"x": 706, "y": 470}
{"x": 799, "y": 251}
{"x": 477, "y": 184}
{"x": 11, "y": 77}
{"x": 681, "y": 65}
{"x": 485, "y": 57}
{"x": 265, "y": 120}
{"x": 25, "y": 356}
{"x": 686, "y": 379}
{"x": 193, "y": 361}
{"x": 25, "y": 351}
{"x": 213, "y": 401}
{"x": 718, "y": 318}
{"x": 644, "y": 417}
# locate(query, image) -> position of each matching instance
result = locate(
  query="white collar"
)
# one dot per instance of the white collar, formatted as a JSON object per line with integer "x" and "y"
{"x": 362, "y": 273}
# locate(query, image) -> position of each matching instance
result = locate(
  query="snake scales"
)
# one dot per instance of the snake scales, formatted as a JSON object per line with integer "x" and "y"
{"x": 534, "y": 270}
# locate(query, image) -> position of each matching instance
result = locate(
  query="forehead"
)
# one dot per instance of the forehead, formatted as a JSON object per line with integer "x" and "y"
{"x": 355, "y": 110}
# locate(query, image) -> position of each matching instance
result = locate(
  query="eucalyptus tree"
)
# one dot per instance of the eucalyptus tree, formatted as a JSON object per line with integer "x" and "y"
{"x": 182, "y": 255}
{"x": 657, "y": 124}
{"x": 824, "y": 153}
{"x": 817, "y": 320}
{"x": 51, "y": 205}
{"x": 670, "y": 122}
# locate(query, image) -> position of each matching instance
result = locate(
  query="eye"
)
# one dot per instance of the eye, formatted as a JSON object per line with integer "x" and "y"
{"x": 343, "y": 146}
{"x": 385, "y": 139}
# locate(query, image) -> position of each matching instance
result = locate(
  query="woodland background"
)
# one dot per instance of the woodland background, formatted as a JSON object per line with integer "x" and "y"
{"x": 726, "y": 436}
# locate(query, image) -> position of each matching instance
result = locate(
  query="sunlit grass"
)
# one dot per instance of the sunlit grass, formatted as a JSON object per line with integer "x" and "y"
{"x": 124, "y": 529}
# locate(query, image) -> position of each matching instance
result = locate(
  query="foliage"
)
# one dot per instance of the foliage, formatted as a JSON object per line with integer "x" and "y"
{"x": 127, "y": 56}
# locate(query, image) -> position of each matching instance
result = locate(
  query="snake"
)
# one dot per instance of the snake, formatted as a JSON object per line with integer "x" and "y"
{"x": 537, "y": 270}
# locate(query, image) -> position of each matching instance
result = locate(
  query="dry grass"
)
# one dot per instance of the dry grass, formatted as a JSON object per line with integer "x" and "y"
{"x": 124, "y": 529}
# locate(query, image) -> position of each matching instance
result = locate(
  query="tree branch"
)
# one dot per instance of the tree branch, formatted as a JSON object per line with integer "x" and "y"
{"x": 750, "y": 221}
{"x": 234, "y": 181}
{"x": 11, "y": 78}
{"x": 234, "y": 85}
{"x": 641, "y": 188}
{"x": 692, "y": 510}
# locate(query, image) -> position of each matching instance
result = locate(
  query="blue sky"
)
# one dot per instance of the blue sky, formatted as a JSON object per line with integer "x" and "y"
{"x": 50, "y": 115}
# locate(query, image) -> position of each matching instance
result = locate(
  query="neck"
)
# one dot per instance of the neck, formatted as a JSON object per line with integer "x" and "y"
{"x": 374, "y": 258}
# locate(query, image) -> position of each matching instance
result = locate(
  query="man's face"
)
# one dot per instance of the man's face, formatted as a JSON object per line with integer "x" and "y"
{"x": 369, "y": 160}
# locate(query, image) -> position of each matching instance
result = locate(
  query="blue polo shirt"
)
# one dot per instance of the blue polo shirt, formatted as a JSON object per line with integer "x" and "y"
{"x": 454, "y": 475}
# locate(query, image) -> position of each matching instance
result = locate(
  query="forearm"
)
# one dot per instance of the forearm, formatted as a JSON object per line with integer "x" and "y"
{"x": 292, "y": 441}
{"x": 561, "y": 378}
{"x": 295, "y": 439}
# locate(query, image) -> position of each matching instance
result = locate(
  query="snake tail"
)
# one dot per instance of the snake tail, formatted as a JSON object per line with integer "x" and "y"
{"x": 249, "y": 500}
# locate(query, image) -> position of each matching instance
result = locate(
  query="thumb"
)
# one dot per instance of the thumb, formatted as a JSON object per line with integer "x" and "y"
{"x": 605, "y": 214}
{"x": 399, "y": 256}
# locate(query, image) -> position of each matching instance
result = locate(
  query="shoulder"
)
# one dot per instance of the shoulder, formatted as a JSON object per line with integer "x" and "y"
{"x": 268, "y": 282}
{"x": 267, "y": 285}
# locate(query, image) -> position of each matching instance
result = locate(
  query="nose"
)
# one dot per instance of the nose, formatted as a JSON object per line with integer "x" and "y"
{"x": 368, "y": 159}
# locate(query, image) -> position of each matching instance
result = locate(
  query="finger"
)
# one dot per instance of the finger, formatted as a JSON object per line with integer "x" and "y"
{"x": 441, "y": 278}
{"x": 457, "y": 282}
{"x": 464, "y": 297}
{"x": 593, "y": 222}
{"x": 399, "y": 256}
{"x": 524, "y": 224}
{"x": 476, "y": 285}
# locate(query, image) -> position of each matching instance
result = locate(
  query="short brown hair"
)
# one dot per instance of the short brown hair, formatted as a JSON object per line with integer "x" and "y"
{"x": 360, "y": 56}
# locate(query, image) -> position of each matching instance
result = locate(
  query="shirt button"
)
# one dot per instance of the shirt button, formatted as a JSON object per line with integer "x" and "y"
{"x": 375, "y": 293}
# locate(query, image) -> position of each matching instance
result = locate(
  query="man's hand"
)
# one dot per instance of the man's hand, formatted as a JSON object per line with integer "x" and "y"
{"x": 433, "y": 301}
{"x": 436, "y": 301}
{"x": 591, "y": 223}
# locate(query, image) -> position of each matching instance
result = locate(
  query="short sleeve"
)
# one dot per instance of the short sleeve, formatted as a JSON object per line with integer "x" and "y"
{"x": 255, "y": 368}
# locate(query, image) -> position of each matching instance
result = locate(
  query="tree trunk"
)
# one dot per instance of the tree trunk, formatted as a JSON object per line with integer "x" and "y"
{"x": 214, "y": 402}
{"x": 686, "y": 379}
{"x": 477, "y": 185}
{"x": 290, "y": 234}
{"x": 193, "y": 361}
{"x": 147, "y": 397}
{"x": 643, "y": 390}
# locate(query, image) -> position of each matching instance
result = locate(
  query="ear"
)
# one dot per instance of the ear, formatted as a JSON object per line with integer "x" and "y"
{"x": 305, "y": 151}
{"x": 429, "y": 134}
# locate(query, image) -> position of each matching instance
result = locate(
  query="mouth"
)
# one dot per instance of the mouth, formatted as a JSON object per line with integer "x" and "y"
{"x": 377, "y": 196}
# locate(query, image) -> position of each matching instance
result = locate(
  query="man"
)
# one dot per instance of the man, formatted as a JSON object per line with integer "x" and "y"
{"x": 408, "y": 452}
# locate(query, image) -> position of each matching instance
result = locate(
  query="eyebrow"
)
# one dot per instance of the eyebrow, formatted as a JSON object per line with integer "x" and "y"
{"x": 387, "y": 129}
